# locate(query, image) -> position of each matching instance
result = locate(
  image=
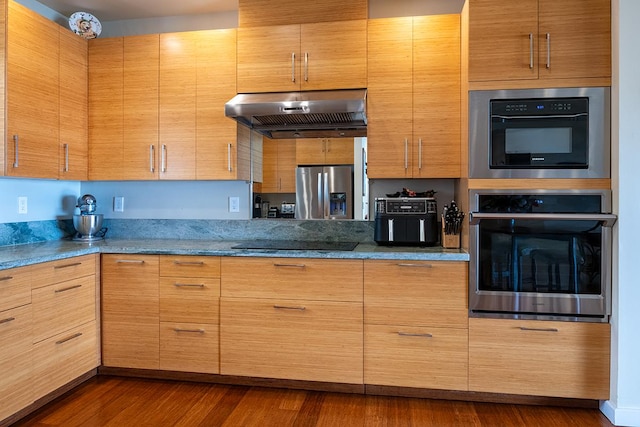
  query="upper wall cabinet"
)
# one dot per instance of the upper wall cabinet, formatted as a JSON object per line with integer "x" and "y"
{"x": 327, "y": 55}
{"x": 413, "y": 100}
{"x": 260, "y": 13}
{"x": 539, "y": 40}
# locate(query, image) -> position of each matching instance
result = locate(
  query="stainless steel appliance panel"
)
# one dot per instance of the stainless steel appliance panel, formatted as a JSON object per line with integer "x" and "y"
{"x": 324, "y": 192}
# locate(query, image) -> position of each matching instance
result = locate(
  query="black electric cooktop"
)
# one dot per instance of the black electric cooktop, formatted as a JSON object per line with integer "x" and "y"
{"x": 296, "y": 245}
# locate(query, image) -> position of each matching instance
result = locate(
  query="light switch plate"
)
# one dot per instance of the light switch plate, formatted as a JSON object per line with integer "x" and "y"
{"x": 22, "y": 204}
{"x": 234, "y": 204}
{"x": 118, "y": 204}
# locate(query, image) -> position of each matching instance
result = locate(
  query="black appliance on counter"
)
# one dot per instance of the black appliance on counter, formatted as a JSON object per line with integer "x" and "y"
{"x": 406, "y": 221}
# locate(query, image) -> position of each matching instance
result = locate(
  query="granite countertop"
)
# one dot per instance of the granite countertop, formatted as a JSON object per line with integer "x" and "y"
{"x": 33, "y": 253}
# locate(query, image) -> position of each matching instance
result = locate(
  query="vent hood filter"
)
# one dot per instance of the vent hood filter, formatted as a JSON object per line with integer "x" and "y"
{"x": 313, "y": 114}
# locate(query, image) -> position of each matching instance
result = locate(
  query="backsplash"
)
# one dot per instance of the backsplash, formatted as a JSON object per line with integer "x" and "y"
{"x": 318, "y": 230}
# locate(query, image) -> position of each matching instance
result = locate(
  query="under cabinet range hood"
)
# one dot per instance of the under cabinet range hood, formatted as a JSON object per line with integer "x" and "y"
{"x": 312, "y": 114}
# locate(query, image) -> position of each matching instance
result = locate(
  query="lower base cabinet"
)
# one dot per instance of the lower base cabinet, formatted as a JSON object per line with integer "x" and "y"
{"x": 539, "y": 358}
{"x": 189, "y": 347}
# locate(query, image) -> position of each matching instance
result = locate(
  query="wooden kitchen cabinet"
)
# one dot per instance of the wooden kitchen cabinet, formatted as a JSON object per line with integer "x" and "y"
{"x": 539, "y": 40}
{"x": 413, "y": 99}
{"x": 539, "y": 358}
{"x": 324, "y": 151}
{"x": 416, "y": 324}
{"x": 285, "y": 318}
{"x": 189, "y": 313}
{"x": 130, "y": 311}
{"x": 315, "y": 56}
{"x": 279, "y": 166}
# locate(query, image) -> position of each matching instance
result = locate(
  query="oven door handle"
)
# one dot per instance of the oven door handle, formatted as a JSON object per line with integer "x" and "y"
{"x": 551, "y": 116}
{"x": 607, "y": 219}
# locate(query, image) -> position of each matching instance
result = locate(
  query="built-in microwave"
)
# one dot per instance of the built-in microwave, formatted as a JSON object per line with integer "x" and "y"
{"x": 540, "y": 133}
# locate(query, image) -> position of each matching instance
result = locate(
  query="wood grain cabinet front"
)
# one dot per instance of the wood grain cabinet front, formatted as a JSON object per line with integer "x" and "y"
{"x": 15, "y": 287}
{"x": 279, "y": 166}
{"x": 416, "y": 324}
{"x": 539, "y": 358}
{"x": 324, "y": 151}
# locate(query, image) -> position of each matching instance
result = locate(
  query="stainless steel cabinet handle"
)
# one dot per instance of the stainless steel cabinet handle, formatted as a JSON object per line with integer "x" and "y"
{"x": 188, "y": 262}
{"x": 229, "y": 157}
{"x": 289, "y": 265}
{"x": 306, "y": 66}
{"x": 607, "y": 219}
{"x": 410, "y": 334}
{"x": 548, "y": 50}
{"x": 284, "y": 307}
{"x": 163, "y": 158}
{"x": 64, "y": 340}
{"x": 59, "y": 291}
{"x": 16, "y": 144}
{"x": 7, "y": 320}
{"x": 188, "y": 285}
{"x": 405, "y": 264}
{"x": 2, "y": 279}
{"x": 420, "y": 153}
{"x": 193, "y": 331}
{"x": 73, "y": 264}
{"x": 152, "y": 163}
{"x": 66, "y": 157}
{"x": 130, "y": 261}
{"x": 406, "y": 153}
{"x": 522, "y": 328}
{"x": 293, "y": 67}
{"x": 531, "y": 50}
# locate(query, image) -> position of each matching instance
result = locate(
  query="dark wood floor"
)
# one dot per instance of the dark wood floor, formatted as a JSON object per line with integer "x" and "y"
{"x": 115, "y": 401}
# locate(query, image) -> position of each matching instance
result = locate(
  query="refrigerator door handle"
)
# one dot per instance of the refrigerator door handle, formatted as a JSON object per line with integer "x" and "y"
{"x": 320, "y": 193}
{"x": 325, "y": 196}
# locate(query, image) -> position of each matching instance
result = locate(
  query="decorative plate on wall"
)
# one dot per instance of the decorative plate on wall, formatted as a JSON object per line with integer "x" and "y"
{"x": 85, "y": 25}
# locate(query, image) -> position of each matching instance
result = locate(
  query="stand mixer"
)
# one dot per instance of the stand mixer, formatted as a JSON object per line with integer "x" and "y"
{"x": 88, "y": 224}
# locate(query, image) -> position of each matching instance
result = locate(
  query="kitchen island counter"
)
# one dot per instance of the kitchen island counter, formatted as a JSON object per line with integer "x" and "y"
{"x": 33, "y": 253}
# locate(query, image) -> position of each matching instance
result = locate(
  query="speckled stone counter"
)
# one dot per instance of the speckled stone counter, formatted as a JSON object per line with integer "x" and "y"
{"x": 20, "y": 255}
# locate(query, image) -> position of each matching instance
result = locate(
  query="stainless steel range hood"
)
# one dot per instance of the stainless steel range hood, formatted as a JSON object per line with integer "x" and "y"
{"x": 312, "y": 114}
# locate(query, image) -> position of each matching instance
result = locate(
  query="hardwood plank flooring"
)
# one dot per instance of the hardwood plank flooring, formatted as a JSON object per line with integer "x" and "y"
{"x": 116, "y": 401}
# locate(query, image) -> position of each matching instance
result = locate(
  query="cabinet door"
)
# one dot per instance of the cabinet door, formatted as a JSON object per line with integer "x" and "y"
{"x": 202, "y": 343}
{"x": 140, "y": 120}
{"x": 269, "y": 59}
{"x": 291, "y": 339}
{"x": 324, "y": 151}
{"x": 279, "y": 166}
{"x": 333, "y": 55}
{"x": 74, "y": 106}
{"x": 130, "y": 311}
{"x": 220, "y": 155}
{"x": 436, "y": 96}
{"x": 502, "y": 40}
{"x": 539, "y": 358}
{"x": 15, "y": 287}
{"x": 32, "y": 94}
{"x": 106, "y": 108}
{"x": 579, "y": 43}
{"x": 390, "y": 98}
{"x": 177, "y": 93}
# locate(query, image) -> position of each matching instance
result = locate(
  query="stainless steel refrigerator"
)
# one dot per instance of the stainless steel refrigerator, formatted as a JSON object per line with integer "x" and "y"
{"x": 324, "y": 192}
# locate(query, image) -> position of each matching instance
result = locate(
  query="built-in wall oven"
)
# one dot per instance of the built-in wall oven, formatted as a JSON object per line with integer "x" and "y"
{"x": 540, "y": 254}
{"x": 540, "y": 133}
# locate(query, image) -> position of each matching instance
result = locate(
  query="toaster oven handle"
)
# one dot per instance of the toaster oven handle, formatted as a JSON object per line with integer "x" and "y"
{"x": 607, "y": 219}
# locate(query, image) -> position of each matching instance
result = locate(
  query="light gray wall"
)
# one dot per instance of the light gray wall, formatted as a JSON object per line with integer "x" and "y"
{"x": 44, "y": 199}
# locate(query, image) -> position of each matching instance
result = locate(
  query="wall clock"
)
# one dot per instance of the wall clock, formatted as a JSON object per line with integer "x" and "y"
{"x": 85, "y": 25}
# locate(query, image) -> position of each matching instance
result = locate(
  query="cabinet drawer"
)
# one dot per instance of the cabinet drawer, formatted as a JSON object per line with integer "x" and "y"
{"x": 422, "y": 357}
{"x": 189, "y": 347}
{"x": 64, "y": 357}
{"x": 416, "y": 293}
{"x": 61, "y": 270}
{"x": 15, "y": 360}
{"x": 540, "y": 358}
{"x": 291, "y": 339}
{"x": 292, "y": 278}
{"x": 62, "y": 306}
{"x": 15, "y": 287}
{"x": 190, "y": 266}
{"x": 189, "y": 299}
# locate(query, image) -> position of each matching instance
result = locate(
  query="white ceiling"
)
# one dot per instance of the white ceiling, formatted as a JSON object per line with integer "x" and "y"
{"x": 115, "y": 10}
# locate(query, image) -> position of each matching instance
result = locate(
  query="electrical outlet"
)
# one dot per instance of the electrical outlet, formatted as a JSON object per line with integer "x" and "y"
{"x": 118, "y": 204}
{"x": 22, "y": 204}
{"x": 234, "y": 204}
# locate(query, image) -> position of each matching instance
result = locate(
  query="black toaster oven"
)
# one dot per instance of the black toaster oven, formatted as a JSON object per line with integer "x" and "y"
{"x": 406, "y": 221}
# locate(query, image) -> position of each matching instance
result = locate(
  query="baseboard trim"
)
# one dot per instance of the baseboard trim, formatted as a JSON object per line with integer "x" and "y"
{"x": 620, "y": 416}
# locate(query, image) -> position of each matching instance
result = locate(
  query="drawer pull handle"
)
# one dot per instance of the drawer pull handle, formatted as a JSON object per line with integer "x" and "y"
{"x": 522, "y": 328}
{"x": 193, "y": 331}
{"x": 289, "y": 265}
{"x": 67, "y": 265}
{"x": 189, "y": 285}
{"x": 130, "y": 261}
{"x": 404, "y": 264}
{"x": 74, "y": 336}
{"x": 58, "y": 291}
{"x": 5, "y": 278}
{"x": 411, "y": 334}
{"x": 188, "y": 262}
{"x": 284, "y": 307}
{"x": 7, "y": 320}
